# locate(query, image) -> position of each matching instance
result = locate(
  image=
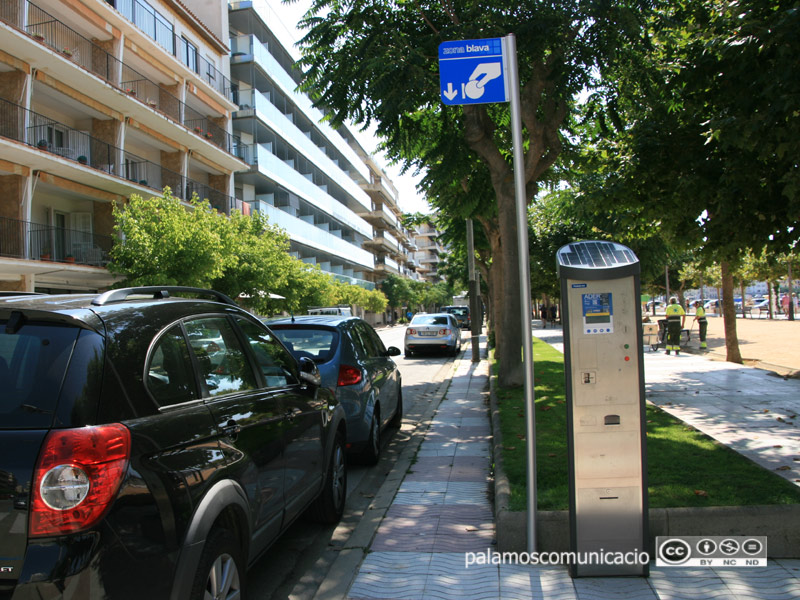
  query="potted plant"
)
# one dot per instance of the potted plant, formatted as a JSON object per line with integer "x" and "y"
{"x": 69, "y": 258}
{"x": 209, "y": 135}
{"x": 130, "y": 91}
{"x": 82, "y": 159}
{"x": 45, "y": 253}
{"x": 143, "y": 182}
{"x": 198, "y": 130}
{"x": 39, "y": 37}
{"x": 42, "y": 144}
{"x": 66, "y": 52}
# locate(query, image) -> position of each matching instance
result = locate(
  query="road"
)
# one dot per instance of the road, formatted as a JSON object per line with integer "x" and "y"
{"x": 298, "y": 562}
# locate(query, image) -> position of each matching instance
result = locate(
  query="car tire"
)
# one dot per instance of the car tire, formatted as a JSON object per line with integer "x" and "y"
{"x": 397, "y": 419}
{"x": 221, "y": 571}
{"x": 329, "y": 505}
{"x": 372, "y": 451}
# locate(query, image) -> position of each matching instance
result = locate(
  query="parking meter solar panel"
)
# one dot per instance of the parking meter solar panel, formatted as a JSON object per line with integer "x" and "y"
{"x": 603, "y": 360}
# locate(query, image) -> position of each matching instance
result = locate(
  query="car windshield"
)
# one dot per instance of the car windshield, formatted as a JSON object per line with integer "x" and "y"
{"x": 460, "y": 311}
{"x": 317, "y": 344}
{"x": 429, "y": 320}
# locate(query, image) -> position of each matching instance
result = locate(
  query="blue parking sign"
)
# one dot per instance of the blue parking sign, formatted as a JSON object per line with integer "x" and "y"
{"x": 472, "y": 72}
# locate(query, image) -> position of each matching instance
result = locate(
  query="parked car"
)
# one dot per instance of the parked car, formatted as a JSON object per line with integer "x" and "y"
{"x": 154, "y": 446}
{"x": 433, "y": 331}
{"x": 342, "y": 309}
{"x": 354, "y": 362}
{"x": 461, "y": 313}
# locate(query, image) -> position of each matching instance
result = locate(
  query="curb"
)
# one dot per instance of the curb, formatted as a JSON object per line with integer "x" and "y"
{"x": 552, "y": 527}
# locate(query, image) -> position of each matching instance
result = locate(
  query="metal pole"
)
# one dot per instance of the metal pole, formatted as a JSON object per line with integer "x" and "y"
{"x": 474, "y": 300}
{"x": 524, "y": 280}
{"x": 791, "y": 290}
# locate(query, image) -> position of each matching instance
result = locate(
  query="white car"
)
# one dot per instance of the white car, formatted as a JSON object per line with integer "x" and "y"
{"x": 433, "y": 331}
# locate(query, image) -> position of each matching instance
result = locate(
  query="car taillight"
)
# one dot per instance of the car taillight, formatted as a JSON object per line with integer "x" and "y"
{"x": 78, "y": 474}
{"x": 348, "y": 376}
{"x": 411, "y": 331}
{"x": 444, "y": 332}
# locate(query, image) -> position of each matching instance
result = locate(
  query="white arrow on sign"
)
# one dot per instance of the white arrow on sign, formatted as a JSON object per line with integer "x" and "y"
{"x": 450, "y": 93}
{"x": 482, "y": 75}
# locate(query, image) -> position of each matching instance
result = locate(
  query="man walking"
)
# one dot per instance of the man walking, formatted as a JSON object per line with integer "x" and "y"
{"x": 700, "y": 317}
{"x": 676, "y": 317}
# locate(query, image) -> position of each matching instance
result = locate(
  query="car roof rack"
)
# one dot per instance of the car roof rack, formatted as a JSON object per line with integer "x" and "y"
{"x": 158, "y": 292}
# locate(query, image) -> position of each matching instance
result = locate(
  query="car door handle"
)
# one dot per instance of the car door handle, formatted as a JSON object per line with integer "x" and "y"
{"x": 293, "y": 412}
{"x": 231, "y": 428}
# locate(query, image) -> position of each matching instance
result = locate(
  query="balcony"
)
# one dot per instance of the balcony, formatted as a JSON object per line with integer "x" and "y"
{"x": 150, "y": 22}
{"x": 386, "y": 264}
{"x": 249, "y": 48}
{"x": 284, "y": 127}
{"x": 311, "y": 236}
{"x": 63, "y": 142}
{"x": 32, "y": 241}
{"x": 45, "y": 29}
{"x": 288, "y": 178}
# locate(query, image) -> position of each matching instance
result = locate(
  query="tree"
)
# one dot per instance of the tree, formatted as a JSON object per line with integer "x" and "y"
{"x": 166, "y": 244}
{"x": 700, "y": 137}
{"x": 376, "y": 61}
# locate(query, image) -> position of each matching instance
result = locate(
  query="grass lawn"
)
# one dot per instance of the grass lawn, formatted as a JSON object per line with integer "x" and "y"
{"x": 684, "y": 466}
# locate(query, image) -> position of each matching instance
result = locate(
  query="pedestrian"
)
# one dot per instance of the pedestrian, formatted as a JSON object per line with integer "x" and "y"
{"x": 676, "y": 318}
{"x": 553, "y": 314}
{"x": 702, "y": 323}
{"x": 785, "y": 304}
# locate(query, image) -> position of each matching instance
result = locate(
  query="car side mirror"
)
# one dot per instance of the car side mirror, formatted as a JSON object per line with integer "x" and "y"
{"x": 393, "y": 351}
{"x": 309, "y": 372}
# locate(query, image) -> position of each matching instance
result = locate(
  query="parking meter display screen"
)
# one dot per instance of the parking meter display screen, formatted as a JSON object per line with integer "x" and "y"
{"x": 598, "y": 313}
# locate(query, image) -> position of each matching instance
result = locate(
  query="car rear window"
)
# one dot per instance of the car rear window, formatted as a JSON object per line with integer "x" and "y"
{"x": 317, "y": 344}
{"x": 33, "y": 361}
{"x": 429, "y": 320}
{"x": 460, "y": 311}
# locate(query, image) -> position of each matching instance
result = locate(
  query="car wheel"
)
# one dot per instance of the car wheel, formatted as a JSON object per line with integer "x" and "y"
{"x": 372, "y": 451}
{"x": 329, "y": 506}
{"x": 397, "y": 419}
{"x": 221, "y": 572}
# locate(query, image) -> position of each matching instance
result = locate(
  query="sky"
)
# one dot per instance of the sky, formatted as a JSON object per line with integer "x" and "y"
{"x": 289, "y": 15}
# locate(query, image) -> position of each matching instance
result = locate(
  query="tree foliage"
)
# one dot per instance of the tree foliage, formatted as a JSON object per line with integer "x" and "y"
{"x": 162, "y": 242}
{"x": 376, "y": 61}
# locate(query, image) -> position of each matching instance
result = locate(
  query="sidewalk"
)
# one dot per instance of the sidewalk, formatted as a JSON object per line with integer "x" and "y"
{"x": 443, "y": 510}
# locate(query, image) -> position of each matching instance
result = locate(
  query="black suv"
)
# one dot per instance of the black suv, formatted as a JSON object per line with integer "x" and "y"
{"x": 152, "y": 446}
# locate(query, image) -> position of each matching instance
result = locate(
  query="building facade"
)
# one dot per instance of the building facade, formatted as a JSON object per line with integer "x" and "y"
{"x": 428, "y": 251}
{"x": 303, "y": 174}
{"x": 101, "y": 100}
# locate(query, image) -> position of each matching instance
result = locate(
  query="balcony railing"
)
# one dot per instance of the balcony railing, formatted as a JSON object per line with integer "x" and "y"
{"x": 44, "y": 133}
{"x": 46, "y": 29}
{"x": 146, "y": 18}
{"x": 32, "y": 241}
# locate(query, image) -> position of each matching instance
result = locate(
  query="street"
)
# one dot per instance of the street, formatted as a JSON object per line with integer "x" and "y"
{"x": 298, "y": 562}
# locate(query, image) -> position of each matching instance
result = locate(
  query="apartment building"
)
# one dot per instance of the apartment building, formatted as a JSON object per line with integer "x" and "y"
{"x": 100, "y": 100}
{"x": 427, "y": 254}
{"x": 393, "y": 244}
{"x": 303, "y": 174}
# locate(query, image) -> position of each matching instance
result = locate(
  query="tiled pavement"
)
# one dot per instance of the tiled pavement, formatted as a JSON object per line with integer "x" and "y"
{"x": 443, "y": 510}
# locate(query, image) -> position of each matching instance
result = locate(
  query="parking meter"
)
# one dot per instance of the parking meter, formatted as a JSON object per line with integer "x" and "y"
{"x": 603, "y": 365}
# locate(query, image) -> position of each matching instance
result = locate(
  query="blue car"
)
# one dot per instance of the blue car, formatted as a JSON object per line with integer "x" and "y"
{"x": 354, "y": 363}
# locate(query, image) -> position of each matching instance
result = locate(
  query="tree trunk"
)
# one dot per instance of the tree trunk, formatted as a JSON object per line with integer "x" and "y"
{"x": 729, "y": 314}
{"x": 510, "y": 369}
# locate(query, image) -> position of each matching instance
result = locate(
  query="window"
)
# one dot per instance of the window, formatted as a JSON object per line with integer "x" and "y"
{"x": 188, "y": 54}
{"x": 367, "y": 342}
{"x": 170, "y": 378}
{"x": 276, "y": 364}
{"x": 224, "y": 367}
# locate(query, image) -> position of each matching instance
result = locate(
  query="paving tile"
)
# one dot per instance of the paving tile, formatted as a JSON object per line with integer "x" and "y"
{"x": 687, "y": 583}
{"x": 524, "y": 582}
{"x": 601, "y": 588}
{"x": 449, "y": 578}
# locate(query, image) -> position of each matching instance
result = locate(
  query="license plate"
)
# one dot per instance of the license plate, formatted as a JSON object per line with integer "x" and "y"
{"x": 427, "y": 333}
